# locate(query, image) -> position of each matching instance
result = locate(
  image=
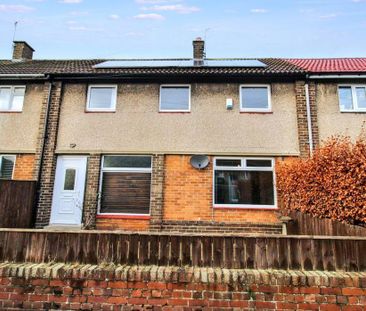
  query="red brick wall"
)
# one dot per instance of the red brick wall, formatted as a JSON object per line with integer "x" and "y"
{"x": 77, "y": 287}
{"x": 188, "y": 196}
{"x": 126, "y": 224}
{"x": 24, "y": 167}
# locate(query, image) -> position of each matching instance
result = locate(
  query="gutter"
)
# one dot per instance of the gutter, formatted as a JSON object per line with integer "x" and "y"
{"x": 337, "y": 76}
{"x": 22, "y": 76}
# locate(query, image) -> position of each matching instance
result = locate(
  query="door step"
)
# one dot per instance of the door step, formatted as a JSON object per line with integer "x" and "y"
{"x": 63, "y": 228}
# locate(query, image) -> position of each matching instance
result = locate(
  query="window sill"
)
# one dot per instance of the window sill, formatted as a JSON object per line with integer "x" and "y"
{"x": 175, "y": 112}
{"x": 254, "y": 207}
{"x": 92, "y": 111}
{"x": 256, "y": 112}
{"x": 353, "y": 111}
{"x": 116, "y": 216}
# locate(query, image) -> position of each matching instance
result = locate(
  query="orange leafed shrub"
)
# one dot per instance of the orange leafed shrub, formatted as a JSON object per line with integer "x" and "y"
{"x": 330, "y": 184}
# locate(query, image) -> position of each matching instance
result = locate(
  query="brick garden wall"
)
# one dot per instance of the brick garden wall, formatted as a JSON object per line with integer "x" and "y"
{"x": 77, "y": 287}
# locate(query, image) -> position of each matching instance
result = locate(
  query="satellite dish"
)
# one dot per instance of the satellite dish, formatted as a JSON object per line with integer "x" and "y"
{"x": 199, "y": 161}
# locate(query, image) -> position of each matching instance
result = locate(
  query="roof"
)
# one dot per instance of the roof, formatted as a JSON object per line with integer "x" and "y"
{"x": 331, "y": 65}
{"x": 86, "y": 66}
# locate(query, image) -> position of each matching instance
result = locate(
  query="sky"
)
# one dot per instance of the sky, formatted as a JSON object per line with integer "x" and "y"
{"x": 69, "y": 29}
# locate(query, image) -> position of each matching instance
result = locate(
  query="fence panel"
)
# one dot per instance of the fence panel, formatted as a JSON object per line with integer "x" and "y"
{"x": 305, "y": 224}
{"x": 17, "y": 199}
{"x": 231, "y": 251}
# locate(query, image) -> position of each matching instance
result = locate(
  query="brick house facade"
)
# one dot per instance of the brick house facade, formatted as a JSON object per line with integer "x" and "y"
{"x": 180, "y": 197}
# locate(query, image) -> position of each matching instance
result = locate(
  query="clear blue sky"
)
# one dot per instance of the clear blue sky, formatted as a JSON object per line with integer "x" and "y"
{"x": 165, "y": 28}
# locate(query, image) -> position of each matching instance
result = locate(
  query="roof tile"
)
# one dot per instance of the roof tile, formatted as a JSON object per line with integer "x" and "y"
{"x": 331, "y": 65}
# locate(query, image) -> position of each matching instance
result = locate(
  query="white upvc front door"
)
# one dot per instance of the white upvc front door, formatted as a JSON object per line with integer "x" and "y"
{"x": 68, "y": 192}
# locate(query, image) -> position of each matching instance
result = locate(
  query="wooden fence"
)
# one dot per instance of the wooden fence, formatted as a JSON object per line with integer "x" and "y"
{"x": 17, "y": 200}
{"x": 305, "y": 224}
{"x": 258, "y": 252}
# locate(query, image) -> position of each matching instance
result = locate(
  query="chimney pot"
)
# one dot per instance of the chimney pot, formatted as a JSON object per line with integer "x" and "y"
{"x": 22, "y": 51}
{"x": 198, "y": 51}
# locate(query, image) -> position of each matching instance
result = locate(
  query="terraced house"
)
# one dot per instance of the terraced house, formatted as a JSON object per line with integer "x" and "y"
{"x": 168, "y": 144}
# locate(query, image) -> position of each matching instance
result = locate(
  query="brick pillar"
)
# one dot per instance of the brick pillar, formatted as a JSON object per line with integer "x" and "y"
{"x": 302, "y": 124}
{"x": 41, "y": 131}
{"x": 91, "y": 191}
{"x": 48, "y": 168}
{"x": 314, "y": 114}
{"x": 157, "y": 195}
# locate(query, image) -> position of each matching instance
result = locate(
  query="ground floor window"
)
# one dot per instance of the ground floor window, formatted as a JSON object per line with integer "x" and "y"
{"x": 125, "y": 185}
{"x": 244, "y": 182}
{"x": 7, "y": 164}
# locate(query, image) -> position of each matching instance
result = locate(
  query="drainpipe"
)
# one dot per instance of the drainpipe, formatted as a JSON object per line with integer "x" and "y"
{"x": 308, "y": 114}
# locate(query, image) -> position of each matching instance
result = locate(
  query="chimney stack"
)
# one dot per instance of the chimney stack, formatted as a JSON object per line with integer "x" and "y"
{"x": 22, "y": 51}
{"x": 198, "y": 51}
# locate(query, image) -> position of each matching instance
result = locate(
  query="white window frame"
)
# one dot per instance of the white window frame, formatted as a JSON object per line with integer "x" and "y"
{"x": 114, "y": 98}
{"x": 123, "y": 169}
{"x": 244, "y": 167}
{"x": 243, "y": 109}
{"x": 15, "y": 159}
{"x": 175, "y": 86}
{"x": 354, "y": 97}
{"x": 12, "y": 88}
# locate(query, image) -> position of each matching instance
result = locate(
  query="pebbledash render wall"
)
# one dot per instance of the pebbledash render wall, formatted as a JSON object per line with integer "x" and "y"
{"x": 110, "y": 287}
{"x": 140, "y": 127}
{"x": 181, "y": 197}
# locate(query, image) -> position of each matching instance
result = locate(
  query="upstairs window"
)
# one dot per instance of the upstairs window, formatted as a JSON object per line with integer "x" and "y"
{"x": 244, "y": 182}
{"x": 7, "y": 163}
{"x": 125, "y": 185}
{"x": 352, "y": 98}
{"x": 12, "y": 98}
{"x": 102, "y": 98}
{"x": 255, "y": 98}
{"x": 175, "y": 98}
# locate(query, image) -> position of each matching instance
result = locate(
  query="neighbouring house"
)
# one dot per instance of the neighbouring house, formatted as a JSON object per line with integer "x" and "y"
{"x": 22, "y": 117}
{"x": 168, "y": 144}
{"x": 338, "y": 88}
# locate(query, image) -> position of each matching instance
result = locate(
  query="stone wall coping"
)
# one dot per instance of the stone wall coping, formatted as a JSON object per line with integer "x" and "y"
{"x": 110, "y": 272}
